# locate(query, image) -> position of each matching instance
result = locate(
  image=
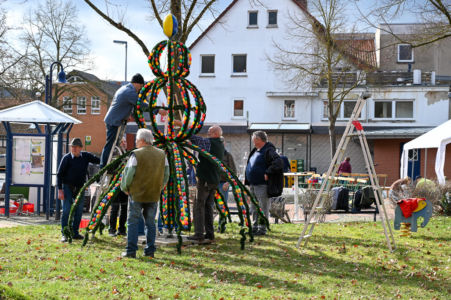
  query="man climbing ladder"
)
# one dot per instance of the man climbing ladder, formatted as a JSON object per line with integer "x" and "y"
{"x": 124, "y": 101}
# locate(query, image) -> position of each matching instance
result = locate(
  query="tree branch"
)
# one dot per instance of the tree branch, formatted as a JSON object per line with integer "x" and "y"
{"x": 120, "y": 27}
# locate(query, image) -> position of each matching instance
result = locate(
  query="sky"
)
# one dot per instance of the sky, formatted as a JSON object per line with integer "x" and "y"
{"x": 108, "y": 57}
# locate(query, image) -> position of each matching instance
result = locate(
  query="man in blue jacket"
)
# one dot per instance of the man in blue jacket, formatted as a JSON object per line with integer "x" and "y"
{"x": 264, "y": 174}
{"x": 124, "y": 101}
{"x": 71, "y": 177}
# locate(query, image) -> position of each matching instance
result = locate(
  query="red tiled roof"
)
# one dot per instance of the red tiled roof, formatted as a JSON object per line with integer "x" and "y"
{"x": 360, "y": 51}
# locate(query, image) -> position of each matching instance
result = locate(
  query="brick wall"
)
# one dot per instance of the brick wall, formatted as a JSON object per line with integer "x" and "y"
{"x": 430, "y": 165}
{"x": 92, "y": 124}
{"x": 387, "y": 156}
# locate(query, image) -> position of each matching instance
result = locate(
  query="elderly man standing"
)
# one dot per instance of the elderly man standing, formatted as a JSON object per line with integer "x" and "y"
{"x": 143, "y": 179}
{"x": 264, "y": 174}
{"x": 207, "y": 183}
{"x": 71, "y": 177}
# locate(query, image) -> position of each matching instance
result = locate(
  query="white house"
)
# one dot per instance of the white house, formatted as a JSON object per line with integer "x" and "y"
{"x": 243, "y": 93}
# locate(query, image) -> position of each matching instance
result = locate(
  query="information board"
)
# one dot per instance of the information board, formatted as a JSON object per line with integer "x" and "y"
{"x": 28, "y": 160}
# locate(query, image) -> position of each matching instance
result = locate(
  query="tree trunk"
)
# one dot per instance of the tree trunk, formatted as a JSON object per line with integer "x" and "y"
{"x": 176, "y": 11}
{"x": 333, "y": 141}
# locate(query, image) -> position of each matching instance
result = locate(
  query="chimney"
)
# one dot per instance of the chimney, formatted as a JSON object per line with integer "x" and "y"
{"x": 303, "y": 3}
{"x": 416, "y": 76}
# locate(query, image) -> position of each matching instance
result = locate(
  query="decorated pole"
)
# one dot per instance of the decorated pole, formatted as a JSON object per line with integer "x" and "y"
{"x": 190, "y": 107}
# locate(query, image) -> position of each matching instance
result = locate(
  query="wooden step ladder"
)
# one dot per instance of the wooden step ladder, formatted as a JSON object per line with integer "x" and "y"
{"x": 317, "y": 210}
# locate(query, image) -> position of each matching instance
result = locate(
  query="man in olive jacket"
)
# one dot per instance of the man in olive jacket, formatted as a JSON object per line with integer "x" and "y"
{"x": 143, "y": 179}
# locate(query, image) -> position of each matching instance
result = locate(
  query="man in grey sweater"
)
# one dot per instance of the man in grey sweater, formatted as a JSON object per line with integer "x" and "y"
{"x": 124, "y": 101}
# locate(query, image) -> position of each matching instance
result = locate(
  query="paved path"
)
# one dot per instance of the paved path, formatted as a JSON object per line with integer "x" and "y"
{"x": 14, "y": 220}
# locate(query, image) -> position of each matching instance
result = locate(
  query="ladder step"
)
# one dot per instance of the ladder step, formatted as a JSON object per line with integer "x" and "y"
{"x": 306, "y": 236}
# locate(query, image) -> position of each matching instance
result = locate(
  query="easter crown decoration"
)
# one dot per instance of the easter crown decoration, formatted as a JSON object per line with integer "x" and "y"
{"x": 184, "y": 103}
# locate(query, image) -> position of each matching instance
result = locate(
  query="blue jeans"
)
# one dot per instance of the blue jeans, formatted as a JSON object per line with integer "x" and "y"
{"x": 111, "y": 132}
{"x": 136, "y": 211}
{"x": 67, "y": 204}
{"x": 225, "y": 194}
{"x": 260, "y": 192}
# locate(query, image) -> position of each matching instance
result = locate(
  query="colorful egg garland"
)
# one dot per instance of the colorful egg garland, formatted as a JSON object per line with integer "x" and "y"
{"x": 174, "y": 203}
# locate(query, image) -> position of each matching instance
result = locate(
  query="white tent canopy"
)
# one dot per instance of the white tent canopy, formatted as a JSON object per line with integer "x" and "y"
{"x": 438, "y": 138}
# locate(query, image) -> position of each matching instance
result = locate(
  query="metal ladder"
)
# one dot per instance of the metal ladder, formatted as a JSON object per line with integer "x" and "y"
{"x": 317, "y": 208}
{"x": 116, "y": 146}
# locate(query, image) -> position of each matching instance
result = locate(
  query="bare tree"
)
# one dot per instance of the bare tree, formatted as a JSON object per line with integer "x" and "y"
{"x": 435, "y": 14}
{"x": 52, "y": 33}
{"x": 321, "y": 57}
{"x": 9, "y": 56}
{"x": 187, "y": 12}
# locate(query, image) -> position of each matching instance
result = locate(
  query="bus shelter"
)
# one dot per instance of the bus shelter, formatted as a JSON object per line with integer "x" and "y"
{"x": 31, "y": 157}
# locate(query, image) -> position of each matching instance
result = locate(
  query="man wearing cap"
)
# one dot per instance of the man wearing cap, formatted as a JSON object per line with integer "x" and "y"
{"x": 124, "y": 101}
{"x": 71, "y": 177}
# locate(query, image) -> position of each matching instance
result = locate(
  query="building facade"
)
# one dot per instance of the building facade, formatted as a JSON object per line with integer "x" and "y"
{"x": 88, "y": 99}
{"x": 244, "y": 93}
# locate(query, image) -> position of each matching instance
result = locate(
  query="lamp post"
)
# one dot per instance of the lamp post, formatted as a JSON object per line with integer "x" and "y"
{"x": 124, "y": 43}
{"x": 48, "y": 81}
{"x": 48, "y": 136}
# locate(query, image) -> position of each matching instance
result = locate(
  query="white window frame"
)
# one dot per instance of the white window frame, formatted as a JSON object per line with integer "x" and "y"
{"x": 214, "y": 66}
{"x": 277, "y": 18}
{"x": 340, "y": 116}
{"x": 399, "y": 52}
{"x": 239, "y": 73}
{"x": 249, "y": 19}
{"x": 95, "y": 109}
{"x": 293, "y": 110}
{"x": 79, "y": 107}
{"x": 67, "y": 106}
{"x": 393, "y": 109}
{"x": 233, "y": 108}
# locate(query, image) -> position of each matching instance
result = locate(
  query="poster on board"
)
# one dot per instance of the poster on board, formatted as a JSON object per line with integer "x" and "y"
{"x": 28, "y": 160}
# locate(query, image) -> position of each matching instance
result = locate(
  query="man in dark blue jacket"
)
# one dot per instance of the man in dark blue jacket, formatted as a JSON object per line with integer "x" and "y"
{"x": 71, "y": 177}
{"x": 264, "y": 174}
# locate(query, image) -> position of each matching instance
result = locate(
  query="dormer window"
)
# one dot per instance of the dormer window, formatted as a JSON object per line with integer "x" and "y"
{"x": 252, "y": 19}
{"x": 405, "y": 53}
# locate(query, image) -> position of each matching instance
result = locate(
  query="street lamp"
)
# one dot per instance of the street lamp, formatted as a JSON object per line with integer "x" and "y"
{"x": 124, "y": 43}
{"x": 48, "y": 135}
{"x": 48, "y": 81}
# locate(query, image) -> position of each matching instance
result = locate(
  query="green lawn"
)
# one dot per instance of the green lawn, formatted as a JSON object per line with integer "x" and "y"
{"x": 35, "y": 265}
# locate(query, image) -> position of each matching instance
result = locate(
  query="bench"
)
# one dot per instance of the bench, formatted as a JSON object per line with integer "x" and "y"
{"x": 308, "y": 197}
